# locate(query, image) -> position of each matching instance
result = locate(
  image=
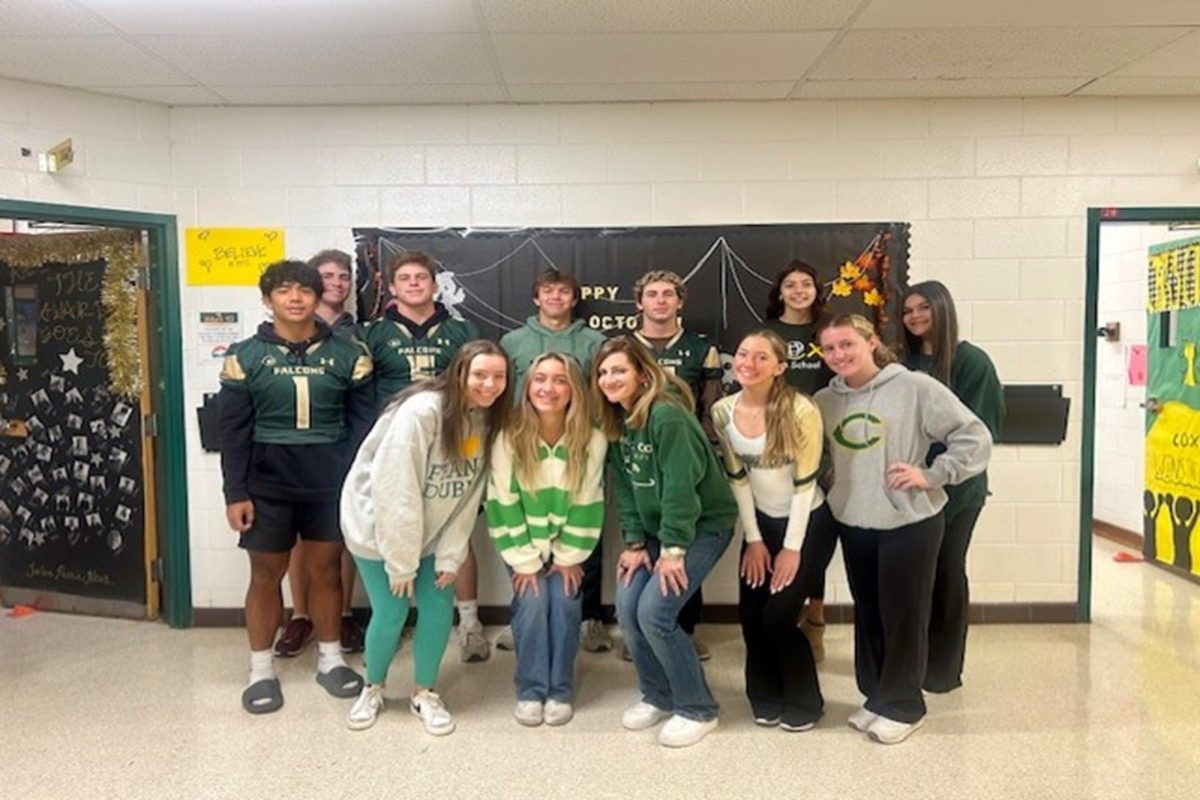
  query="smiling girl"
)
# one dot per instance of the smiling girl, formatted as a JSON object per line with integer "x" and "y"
{"x": 880, "y": 420}
{"x": 677, "y": 515}
{"x": 545, "y": 509}
{"x": 408, "y": 506}
{"x": 931, "y": 345}
{"x": 770, "y": 435}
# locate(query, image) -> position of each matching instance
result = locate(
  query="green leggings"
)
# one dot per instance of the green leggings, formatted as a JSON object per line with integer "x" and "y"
{"x": 388, "y": 613}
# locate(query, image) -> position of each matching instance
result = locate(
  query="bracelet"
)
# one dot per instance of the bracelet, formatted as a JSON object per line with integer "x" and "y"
{"x": 636, "y": 546}
{"x": 673, "y": 552}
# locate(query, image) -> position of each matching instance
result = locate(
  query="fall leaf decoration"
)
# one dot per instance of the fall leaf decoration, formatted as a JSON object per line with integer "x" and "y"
{"x": 868, "y": 276}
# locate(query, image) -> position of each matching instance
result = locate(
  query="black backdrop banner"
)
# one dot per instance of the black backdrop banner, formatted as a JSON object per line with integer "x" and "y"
{"x": 487, "y": 274}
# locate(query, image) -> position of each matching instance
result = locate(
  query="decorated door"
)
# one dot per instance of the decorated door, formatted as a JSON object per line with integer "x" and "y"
{"x": 1171, "y": 500}
{"x": 73, "y": 486}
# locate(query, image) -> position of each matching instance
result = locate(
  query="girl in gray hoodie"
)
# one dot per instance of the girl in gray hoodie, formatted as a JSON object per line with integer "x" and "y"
{"x": 407, "y": 508}
{"x": 880, "y": 420}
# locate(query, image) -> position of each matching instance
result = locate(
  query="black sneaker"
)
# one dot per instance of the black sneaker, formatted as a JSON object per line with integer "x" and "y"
{"x": 352, "y": 635}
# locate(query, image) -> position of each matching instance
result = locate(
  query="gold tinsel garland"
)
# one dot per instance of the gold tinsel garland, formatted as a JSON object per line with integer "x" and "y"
{"x": 118, "y": 295}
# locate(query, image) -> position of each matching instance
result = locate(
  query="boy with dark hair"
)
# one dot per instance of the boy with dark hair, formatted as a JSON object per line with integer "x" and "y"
{"x": 334, "y": 267}
{"x": 415, "y": 339}
{"x": 692, "y": 358}
{"x": 294, "y": 402}
{"x": 553, "y": 330}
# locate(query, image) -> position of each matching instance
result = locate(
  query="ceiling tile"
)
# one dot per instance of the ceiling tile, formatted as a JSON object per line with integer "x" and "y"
{"x": 277, "y": 60}
{"x": 1026, "y": 13}
{"x": 967, "y": 87}
{"x": 664, "y": 16}
{"x": 657, "y": 58}
{"x": 1177, "y": 59}
{"x": 49, "y": 18}
{"x": 83, "y": 61}
{"x": 619, "y": 92}
{"x": 274, "y": 17}
{"x": 167, "y": 95}
{"x": 1130, "y": 86}
{"x": 361, "y": 94}
{"x": 988, "y": 53}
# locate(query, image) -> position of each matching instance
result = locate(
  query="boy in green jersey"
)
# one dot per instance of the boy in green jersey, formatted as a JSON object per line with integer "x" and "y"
{"x": 414, "y": 340}
{"x": 294, "y": 402}
{"x": 690, "y": 357}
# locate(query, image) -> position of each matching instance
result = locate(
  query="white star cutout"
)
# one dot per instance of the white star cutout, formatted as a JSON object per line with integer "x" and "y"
{"x": 70, "y": 361}
{"x": 22, "y": 374}
{"x": 97, "y": 460}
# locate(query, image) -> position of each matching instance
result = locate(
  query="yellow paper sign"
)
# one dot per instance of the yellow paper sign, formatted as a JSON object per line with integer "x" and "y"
{"x": 231, "y": 256}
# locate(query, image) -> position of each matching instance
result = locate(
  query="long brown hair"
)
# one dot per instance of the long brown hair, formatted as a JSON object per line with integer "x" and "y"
{"x": 882, "y": 355}
{"x": 943, "y": 331}
{"x": 656, "y": 382}
{"x": 452, "y": 384}
{"x": 784, "y": 444}
{"x": 524, "y": 426}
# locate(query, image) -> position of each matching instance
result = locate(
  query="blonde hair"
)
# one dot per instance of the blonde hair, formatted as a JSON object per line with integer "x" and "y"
{"x": 452, "y": 384}
{"x": 524, "y": 426}
{"x": 882, "y": 354}
{"x": 657, "y": 385}
{"x": 659, "y": 276}
{"x": 784, "y": 444}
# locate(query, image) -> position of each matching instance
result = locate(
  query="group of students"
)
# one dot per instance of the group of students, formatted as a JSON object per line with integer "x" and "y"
{"x": 391, "y": 438}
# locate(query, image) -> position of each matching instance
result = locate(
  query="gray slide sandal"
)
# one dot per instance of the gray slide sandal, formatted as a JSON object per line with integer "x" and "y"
{"x": 341, "y": 682}
{"x": 263, "y": 697}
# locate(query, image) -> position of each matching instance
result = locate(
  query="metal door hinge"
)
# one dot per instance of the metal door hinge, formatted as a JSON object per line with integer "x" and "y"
{"x": 156, "y": 570}
{"x": 150, "y": 425}
{"x": 143, "y": 279}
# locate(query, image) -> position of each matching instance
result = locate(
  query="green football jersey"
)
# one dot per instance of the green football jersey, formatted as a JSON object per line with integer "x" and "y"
{"x": 403, "y": 354}
{"x": 299, "y": 397}
{"x": 689, "y": 357}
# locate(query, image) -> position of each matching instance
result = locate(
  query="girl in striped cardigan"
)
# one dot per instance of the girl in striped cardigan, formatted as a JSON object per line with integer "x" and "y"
{"x": 545, "y": 510}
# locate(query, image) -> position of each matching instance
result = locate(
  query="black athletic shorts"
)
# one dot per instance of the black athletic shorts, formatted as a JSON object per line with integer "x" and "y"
{"x": 277, "y": 523}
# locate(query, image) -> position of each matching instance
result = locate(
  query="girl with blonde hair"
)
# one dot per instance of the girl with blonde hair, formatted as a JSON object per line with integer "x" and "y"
{"x": 545, "y": 511}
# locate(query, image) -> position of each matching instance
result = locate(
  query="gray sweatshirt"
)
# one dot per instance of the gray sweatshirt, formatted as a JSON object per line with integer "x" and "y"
{"x": 894, "y": 418}
{"x": 404, "y": 500}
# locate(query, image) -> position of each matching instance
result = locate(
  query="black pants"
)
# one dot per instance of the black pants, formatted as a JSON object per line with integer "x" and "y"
{"x": 891, "y": 578}
{"x": 951, "y": 599}
{"x": 593, "y": 582}
{"x": 781, "y": 675}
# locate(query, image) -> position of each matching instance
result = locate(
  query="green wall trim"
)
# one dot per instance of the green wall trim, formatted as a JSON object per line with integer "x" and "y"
{"x": 171, "y": 461}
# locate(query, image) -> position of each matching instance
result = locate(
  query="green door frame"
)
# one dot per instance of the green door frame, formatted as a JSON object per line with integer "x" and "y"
{"x": 1095, "y": 218}
{"x": 168, "y": 392}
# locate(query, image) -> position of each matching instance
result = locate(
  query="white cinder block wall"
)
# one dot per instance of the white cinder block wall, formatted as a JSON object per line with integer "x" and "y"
{"x": 995, "y": 190}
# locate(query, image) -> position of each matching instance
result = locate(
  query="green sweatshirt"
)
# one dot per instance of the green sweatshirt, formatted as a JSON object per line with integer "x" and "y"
{"x": 532, "y": 339}
{"x": 974, "y": 381}
{"x": 668, "y": 480}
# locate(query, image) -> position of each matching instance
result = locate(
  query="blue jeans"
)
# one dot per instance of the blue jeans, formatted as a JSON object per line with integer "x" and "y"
{"x": 546, "y": 636}
{"x": 669, "y": 673}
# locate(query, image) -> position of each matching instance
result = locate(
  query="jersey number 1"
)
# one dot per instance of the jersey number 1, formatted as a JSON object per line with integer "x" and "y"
{"x": 303, "y": 403}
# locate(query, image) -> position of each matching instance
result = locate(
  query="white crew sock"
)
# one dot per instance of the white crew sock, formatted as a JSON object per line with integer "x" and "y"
{"x": 468, "y": 613}
{"x": 329, "y": 656}
{"x": 262, "y": 666}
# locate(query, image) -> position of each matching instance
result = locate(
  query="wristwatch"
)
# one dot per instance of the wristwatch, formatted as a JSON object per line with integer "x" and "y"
{"x": 673, "y": 552}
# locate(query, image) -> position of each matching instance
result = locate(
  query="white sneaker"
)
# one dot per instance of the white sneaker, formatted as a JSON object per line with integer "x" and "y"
{"x": 642, "y": 716}
{"x": 504, "y": 641}
{"x": 428, "y": 706}
{"x": 366, "y": 708}
{"x": 474, "y": 644}
{"x": 889, "y": 731}
{"x": 528, "y": 713}
{"x": 862, "y": 719}
{"x": 683, "y": 732}
{"x": 558, "y": 712}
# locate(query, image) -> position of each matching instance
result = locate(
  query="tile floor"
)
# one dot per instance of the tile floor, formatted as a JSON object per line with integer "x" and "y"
{"x": 109, "y": 709}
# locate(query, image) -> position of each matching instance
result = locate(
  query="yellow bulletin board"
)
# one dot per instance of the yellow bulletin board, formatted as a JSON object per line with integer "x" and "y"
{"x": 230, "y": 256}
